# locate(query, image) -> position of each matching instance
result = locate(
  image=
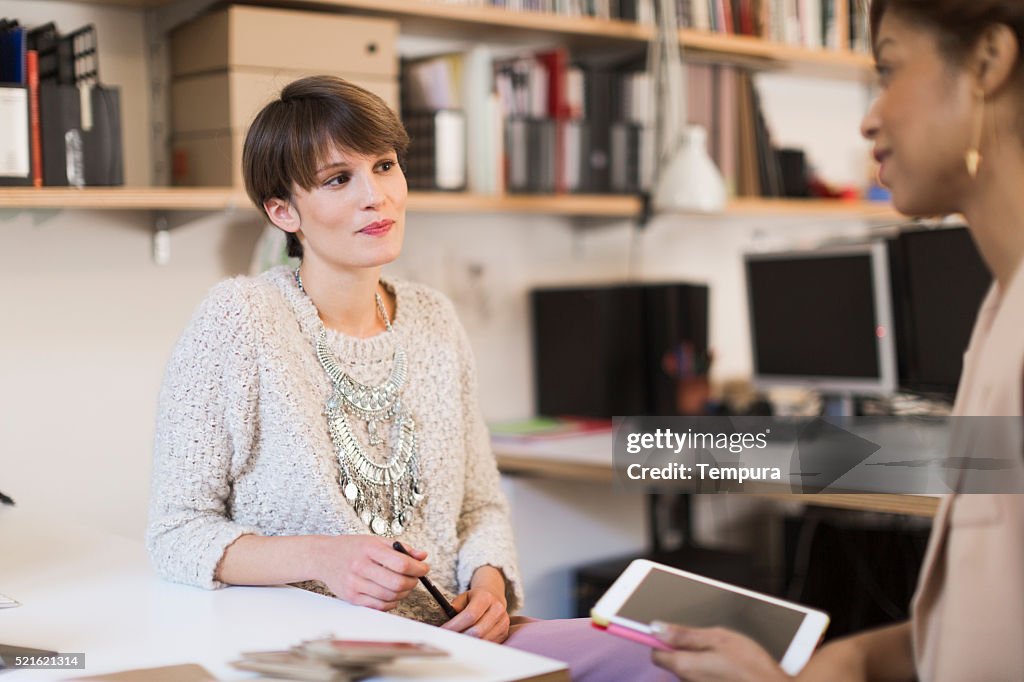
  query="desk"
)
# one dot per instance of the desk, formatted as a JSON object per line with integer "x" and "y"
{"x": 589, "y": 458}
{"x": 88, "y": 592}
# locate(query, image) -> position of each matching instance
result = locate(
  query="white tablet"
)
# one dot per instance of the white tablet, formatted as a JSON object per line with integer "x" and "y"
{"x": 647, "y": 592}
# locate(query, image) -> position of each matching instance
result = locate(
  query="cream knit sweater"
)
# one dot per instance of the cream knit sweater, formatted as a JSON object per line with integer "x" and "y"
{"x": 242, "y": 444}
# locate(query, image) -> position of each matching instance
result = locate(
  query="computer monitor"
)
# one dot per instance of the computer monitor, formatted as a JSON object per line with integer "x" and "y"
{"x": 822, "y": 319}
{"x": 598, "y": 351}
{"x": 938, "y": 283}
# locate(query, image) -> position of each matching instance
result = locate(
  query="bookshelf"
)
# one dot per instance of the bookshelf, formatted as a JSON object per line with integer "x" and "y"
{"x": 722, "y": 47}
{"x": 465, "y": 20}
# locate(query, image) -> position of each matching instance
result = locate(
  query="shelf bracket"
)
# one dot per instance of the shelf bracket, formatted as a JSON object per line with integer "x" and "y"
{"x": 161, "y": 238}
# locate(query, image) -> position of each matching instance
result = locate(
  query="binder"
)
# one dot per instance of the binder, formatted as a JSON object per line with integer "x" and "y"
{"x": 103, "y": 154}
{"x": 575, "y": 156}
{"x": 12, "y": 55}
{"x": 60, "y": 117}
{"x": 436, "y": 159}
{"x": 72, "y": 154}
{"x": 15, "y": 142}
{"x": 530, "y": 151}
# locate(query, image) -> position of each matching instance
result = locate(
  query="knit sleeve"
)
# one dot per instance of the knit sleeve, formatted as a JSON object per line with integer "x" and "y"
{"x": 485, "y": 529}
{"x": 204, "y": 432}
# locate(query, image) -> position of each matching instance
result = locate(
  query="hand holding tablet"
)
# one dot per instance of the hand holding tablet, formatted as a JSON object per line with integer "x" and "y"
{"x": 648, "y": 592}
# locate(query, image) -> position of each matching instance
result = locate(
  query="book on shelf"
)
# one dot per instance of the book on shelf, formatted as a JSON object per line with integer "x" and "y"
{"x": 74, "y": 122}
{"x": 35, "y": 144}
{"x": 13, "y": 48}
{"x": 546, "y": 136}
{"x": 808, "y": 23}
{"x": 432, "y": 109}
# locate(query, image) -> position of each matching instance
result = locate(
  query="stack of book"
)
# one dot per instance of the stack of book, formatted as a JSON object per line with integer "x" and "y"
{"x": 332, "y": 660}
{"x": 546, "y": 141}
{"x": 807, "y": 23}
{"x": 58, "y": 124}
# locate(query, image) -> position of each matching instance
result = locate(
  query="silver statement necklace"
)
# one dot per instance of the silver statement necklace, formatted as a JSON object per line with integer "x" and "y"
{"x": 383, "y": 495}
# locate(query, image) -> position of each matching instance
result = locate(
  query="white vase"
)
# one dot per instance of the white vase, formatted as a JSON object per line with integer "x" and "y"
{"x": 690, "y": 181}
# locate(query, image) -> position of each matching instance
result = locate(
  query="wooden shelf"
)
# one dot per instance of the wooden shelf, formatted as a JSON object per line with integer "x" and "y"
{"x": 826, "y": 208}
{"x": 452, "y": 19}
{"x": 124, "y": 198}
{"x": 223, "y": 198}
{"x": 612, "y": 206}
{"x": 623, "y": 206}
{"x": 766, "y": 54}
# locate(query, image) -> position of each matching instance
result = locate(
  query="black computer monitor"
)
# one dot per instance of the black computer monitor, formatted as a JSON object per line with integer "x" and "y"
{"x": 598, "y": 351}
{"x": 938, "y": 282}
{"x": 822, "y": 319}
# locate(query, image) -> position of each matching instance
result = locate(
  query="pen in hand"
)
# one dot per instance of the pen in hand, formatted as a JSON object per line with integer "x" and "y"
{"x": 448, "y": 609}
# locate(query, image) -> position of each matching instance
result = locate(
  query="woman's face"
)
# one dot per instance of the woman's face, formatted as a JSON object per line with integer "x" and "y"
{"x": 354, "y": 217}
{"x": 921, "y": 121}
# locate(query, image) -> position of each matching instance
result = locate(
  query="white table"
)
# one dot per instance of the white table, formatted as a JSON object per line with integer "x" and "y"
{"x": 94, "y": 593}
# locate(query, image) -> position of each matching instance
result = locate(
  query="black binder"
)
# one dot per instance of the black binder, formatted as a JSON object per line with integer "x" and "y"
{"x": 75, "y": 156}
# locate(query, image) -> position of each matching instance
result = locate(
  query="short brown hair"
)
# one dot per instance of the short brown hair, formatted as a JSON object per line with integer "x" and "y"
{"x": 290, "y": 138}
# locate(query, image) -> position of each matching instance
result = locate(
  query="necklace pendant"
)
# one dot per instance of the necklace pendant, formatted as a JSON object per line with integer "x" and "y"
{"x": 374, "y": 437}
{"x": 379, "y": 526}
{"x": 351, "y": 492}
{"x": 396, "y": 527}
{"x": 366, "y": 517}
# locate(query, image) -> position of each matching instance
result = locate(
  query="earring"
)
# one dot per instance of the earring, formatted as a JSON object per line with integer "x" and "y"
{"x": 973, "y": 155}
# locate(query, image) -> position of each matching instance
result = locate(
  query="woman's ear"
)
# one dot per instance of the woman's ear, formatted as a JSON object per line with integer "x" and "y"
{"x": 996, "y": 56}
{"x": 283, "y": 214}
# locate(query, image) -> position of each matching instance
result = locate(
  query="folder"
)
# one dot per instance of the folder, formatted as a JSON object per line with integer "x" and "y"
{"x": 16, "y": 140}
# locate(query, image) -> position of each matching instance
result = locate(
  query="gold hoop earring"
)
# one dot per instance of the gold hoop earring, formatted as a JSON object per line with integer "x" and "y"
{"x": 973, "y": 155}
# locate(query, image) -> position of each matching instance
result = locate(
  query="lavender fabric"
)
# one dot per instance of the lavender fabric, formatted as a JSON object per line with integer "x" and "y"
{"x": 592, "y": 655}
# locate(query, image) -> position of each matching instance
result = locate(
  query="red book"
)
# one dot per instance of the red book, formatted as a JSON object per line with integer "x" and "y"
{"x": 32, "y": 78}
{"x": 747, "y": 27}
{"x": 730, "y": 25}
{"x": 555, "y": 63}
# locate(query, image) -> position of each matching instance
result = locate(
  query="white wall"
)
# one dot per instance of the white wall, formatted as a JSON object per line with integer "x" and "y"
{"x": 89, "y": 320}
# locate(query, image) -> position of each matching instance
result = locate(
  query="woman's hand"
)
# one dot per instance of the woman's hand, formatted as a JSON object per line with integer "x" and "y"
{"x": 365, "y": 570}
{"x": 483, "y": 611}
{"x": 714, "y": 655}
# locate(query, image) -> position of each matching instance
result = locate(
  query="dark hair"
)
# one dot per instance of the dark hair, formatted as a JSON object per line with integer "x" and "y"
{"x": 959, "y": 24}
{"x": 290, "y": 138}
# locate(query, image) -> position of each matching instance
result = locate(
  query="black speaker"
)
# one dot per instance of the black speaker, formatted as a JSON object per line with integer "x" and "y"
{"x": 598, "y": 351}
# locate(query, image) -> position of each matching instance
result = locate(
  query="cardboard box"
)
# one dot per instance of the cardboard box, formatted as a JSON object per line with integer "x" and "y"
{"x": 266, "y": 38}
{"x": 207, "y": 159}
{"x": 225, "y": 66}
{"x": 229, "y": 100}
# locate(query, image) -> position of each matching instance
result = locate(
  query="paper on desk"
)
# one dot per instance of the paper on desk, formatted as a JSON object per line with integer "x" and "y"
{"x": 6, "y": 602}
{"x": 585, "y": 448}
{"x": 187, "y": 672}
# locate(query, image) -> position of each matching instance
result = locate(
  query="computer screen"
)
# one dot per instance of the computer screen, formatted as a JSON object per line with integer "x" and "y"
{"x": 938, "y": 282}
{"x": 822, "y": 318}
{"x": 598, "y": 351}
